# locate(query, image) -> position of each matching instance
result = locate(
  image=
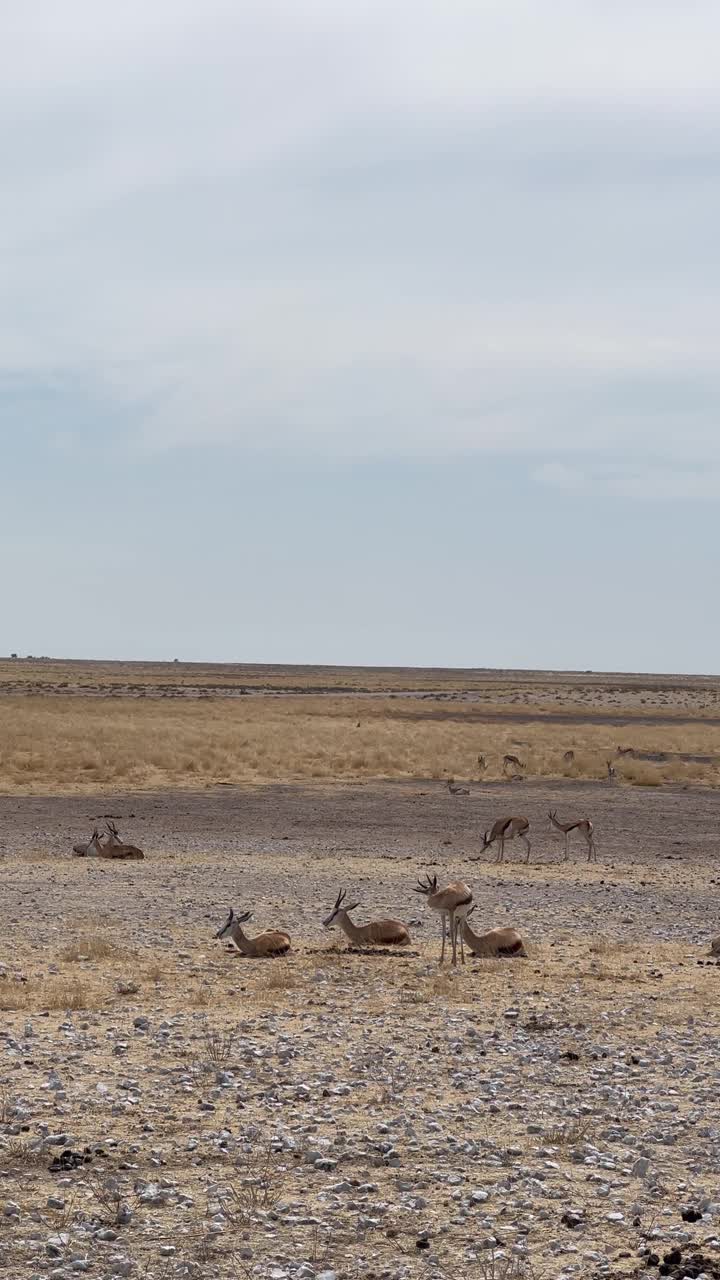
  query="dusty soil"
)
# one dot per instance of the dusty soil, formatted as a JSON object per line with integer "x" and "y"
{"x": 362, "y": 1115}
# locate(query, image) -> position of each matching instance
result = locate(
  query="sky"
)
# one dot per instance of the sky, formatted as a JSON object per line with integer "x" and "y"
{"x": 366, "y": 333}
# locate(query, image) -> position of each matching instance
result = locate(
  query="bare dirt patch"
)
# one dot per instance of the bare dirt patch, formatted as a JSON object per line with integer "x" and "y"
{"x": 370, "y": 1116}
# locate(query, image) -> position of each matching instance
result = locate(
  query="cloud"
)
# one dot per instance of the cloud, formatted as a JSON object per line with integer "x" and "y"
{"x": 638, "y": 481}
{"x": 364, "y": 231}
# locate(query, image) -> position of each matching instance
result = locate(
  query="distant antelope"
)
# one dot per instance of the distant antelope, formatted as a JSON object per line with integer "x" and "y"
{"x": 502, "y": 830}
{"x": 512, "y": 760}
{"x": 116, "y": 848}
{"x": 624, "y": 751}
{"x": 273, "y": 942}
{"x": 452, "y": 903}
{"x": 583, "y": 825}
{"x": 569, "y": 756}
{"x": 87, "y": 850}
{"x": 455, "y": 789}
{"x": 482, "y": 763}
{"x": 610, "y": 771}
{"x": 379, "y": 933}
{"x": 496, "y": 942}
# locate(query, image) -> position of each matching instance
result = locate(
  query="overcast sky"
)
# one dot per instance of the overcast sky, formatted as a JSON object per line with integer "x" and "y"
{"x": 361, "y": 332}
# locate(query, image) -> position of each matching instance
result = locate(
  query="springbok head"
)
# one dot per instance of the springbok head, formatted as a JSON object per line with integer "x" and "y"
{"x": 486, "y": 841}
{"x": 113, "y": 829}
{"x": 428, "y": 886}
{"x": 552, "y": 815}
{"x": 232, "y": 919}
{"x": 329, "y": 921}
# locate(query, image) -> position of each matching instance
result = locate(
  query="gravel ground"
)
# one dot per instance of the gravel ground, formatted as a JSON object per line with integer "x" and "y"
{"x": 169, "y": 1109}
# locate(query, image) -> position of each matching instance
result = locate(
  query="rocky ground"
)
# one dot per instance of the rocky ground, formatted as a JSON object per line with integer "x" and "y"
{"x": 168, "y": 1109}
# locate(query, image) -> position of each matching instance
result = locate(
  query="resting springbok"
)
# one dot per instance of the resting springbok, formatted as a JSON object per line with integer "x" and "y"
{"x": 508, "y": 760}
{"x": 379, "y": 933}
{"x": 273, "y": 942}
{"x": 453, "y": 903}
{"x": 116, "y": 848}
{"x": 502, "y": 830}
{"x": 496, "y": 942}
{"x": 455, "y": 789}
{"x": 583, "y": 825}
{"x": 87, "y": 850}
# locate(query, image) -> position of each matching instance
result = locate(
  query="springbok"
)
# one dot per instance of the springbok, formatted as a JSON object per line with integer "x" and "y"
{"x": 272, "y": 942}
{"x": 455, "y": 789}
{"x": 583, "y": 825}
{"x": 113, "y": 848}
{"x": 610, "y": 771}
{"x": 87, "y": 850}
{"x": 502, "y": 830}
{"x": 453, "y": 903}
{"x": 569, "y": 756}
{"x": 496, "y": 942}
{"x": 482, "y": 763}
{"x": 379, "y": 933}
{"x": 624, "y": 751}
{"x": 508, "y": 760}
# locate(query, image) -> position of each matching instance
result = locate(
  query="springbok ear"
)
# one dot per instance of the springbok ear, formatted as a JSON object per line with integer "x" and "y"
{"x": 351, "y": 906}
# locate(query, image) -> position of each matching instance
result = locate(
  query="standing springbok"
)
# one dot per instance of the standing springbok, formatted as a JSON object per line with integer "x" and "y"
{"x": 482, "y": 763}
{"x": 116, "y": 848}
{"x": 272, "y": 942}
{"x": 569, "y": 756}
{"x": 610, "y": 771}
{"x": 452, "y": 903}
{"x": 508, "y": 760}
{"x": 87, "y": 850}
{"x": 379, "y": 933}
{"x": 494, "y": 943}
{"x": 583, "y": 825}
{"x": 455, "y": 789}
{"x": 502, "y": 830}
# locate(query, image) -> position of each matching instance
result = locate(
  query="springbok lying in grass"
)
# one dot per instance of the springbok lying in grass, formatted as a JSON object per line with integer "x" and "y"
{"x": 379, "y": 933}
{"x": 494, "y": 943}
{"x": 583, "y": 825}
{"x": 114, "y": 847}
{"x": 455, "y": 789}
{"x": 502, "y": 830}
{"x": 452, "y": 903}
{"x": 273, "y": 942}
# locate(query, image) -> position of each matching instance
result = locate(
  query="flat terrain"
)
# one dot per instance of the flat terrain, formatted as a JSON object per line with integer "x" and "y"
{"x": 366, "y": 1115}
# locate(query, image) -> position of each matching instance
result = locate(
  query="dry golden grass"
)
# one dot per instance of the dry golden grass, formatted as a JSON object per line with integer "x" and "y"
{"x": 52, "y": 744}
{"x": 53, "y": 993}
{"x": 92, "y": 946}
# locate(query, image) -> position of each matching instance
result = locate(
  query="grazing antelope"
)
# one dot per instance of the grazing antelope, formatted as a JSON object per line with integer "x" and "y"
{"x": 496, "y": 942}
{"x": 610, "y": 771}
{"x": 452, "y": 902}
{"x": 482, "y": 763}
{"x": 569, "y": 756}
{"x": 273, "y": 942}
{"x": 583, "y": 825}
{"x": 508, "y": 760}
{"x": 455, "y": 789}
{"x": 379, "y": 933}
{"x": 86, "y": 850}
{"x": 114, "y": 848}
{"x": 502, "y": 830}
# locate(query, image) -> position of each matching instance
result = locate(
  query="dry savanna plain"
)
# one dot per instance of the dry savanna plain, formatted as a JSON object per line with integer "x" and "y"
{"x": 170, "y": 1108}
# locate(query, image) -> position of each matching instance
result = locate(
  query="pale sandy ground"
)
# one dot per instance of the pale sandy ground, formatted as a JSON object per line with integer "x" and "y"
{"x": 362, "y": 1106}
